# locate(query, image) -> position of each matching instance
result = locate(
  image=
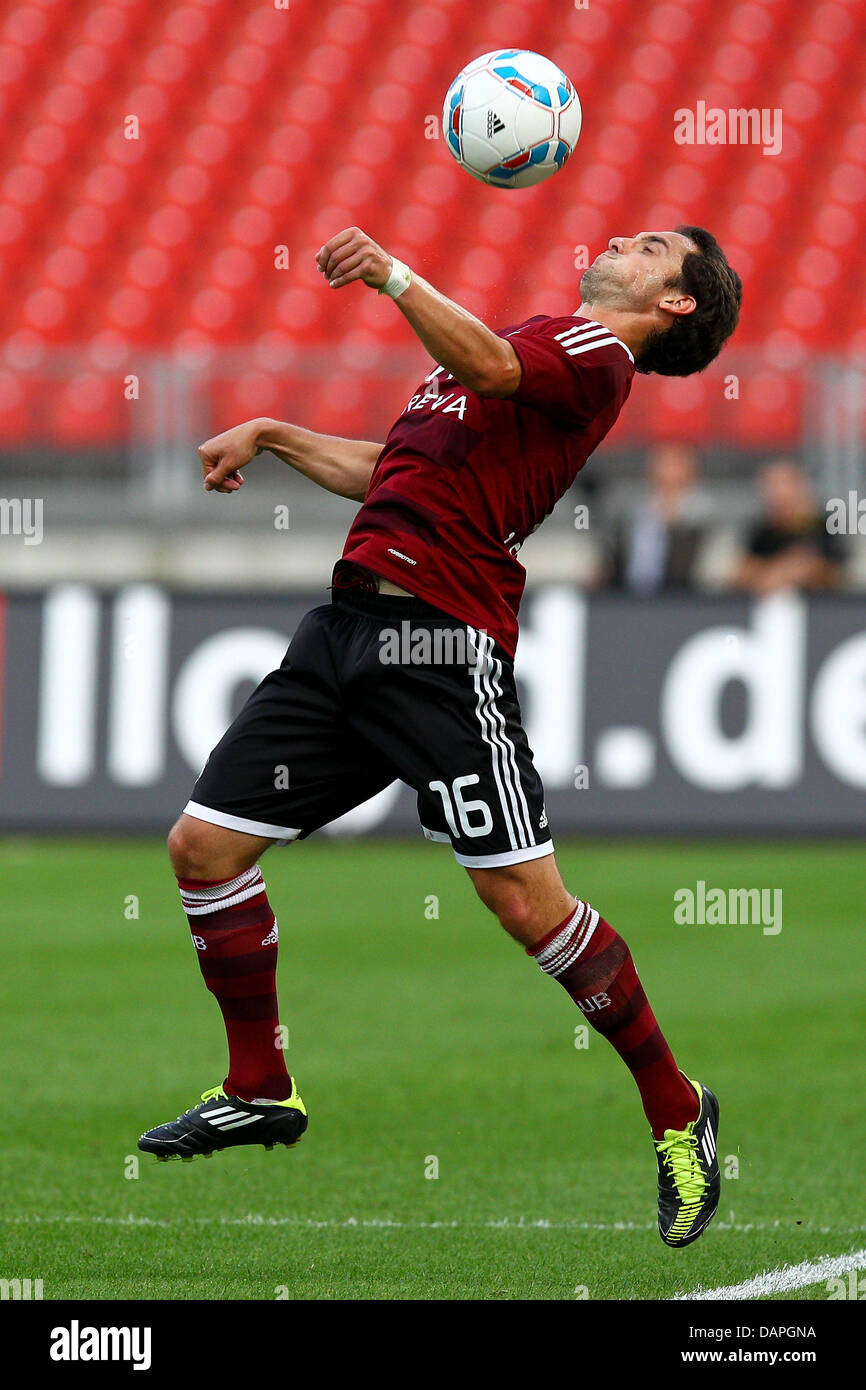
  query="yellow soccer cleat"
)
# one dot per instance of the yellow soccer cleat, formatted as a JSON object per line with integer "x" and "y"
{"x": 689, "y": 1177}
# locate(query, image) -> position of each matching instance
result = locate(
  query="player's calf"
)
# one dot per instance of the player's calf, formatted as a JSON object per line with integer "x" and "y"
{"x": 235, "y": 935}
{"x": 593, "y": 964}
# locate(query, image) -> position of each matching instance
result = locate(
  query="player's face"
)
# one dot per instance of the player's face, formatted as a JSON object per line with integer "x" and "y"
{"x": 634, "y": 271}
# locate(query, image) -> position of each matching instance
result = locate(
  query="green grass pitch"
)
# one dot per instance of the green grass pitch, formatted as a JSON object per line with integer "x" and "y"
{"x": 417, "y": 1038}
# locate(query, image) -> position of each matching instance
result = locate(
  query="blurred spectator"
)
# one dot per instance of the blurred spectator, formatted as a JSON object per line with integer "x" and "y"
{"x": 654, "y": 548}
{"x": 790, "y": 547}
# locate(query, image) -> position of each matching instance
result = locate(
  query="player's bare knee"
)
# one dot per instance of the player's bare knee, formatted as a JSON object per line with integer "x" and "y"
{"x": 188, "y": 850}
{"x": 200, "y": 850}
{"x": 516, "y": 911}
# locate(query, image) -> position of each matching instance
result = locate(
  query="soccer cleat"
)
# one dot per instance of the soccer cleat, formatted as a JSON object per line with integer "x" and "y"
{"x": 221, "y": 1121}
{"x": 689, "y": 1178}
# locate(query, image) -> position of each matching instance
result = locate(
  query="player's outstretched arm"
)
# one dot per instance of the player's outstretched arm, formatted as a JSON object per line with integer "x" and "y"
{"x": 342, "y": 466}
{"x": 454, "y": 338}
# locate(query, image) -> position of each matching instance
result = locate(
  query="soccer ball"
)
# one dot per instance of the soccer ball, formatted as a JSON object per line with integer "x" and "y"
{"x": 511, "y": 118}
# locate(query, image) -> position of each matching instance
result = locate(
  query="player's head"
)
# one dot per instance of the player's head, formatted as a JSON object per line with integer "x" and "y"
{"x": 680, "y": 284}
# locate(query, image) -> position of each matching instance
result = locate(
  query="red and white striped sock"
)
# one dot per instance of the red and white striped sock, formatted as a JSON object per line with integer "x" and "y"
{"x": 594, "y": 966}
{"x": 235, "y": 933}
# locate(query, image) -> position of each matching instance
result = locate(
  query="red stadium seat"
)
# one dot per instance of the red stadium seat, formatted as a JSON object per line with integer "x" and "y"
{"x": 261, "y": 127}
{"x": 90, "y": 409}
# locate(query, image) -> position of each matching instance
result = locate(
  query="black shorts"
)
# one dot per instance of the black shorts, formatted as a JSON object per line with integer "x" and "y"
{"x": 374, "y": 688}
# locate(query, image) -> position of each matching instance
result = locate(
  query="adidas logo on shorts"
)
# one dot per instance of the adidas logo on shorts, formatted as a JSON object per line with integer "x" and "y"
{"x": 272, "y": 937}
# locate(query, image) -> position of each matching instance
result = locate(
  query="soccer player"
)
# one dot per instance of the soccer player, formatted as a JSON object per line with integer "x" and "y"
{"x": 490, "y": 440}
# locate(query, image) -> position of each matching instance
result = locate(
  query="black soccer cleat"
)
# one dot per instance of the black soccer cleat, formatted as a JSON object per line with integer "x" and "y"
{"x": 689, "y": 1178}
{"x": 222, "y": 1121}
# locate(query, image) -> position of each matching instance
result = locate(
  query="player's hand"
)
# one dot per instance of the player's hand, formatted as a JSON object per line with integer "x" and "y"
{"x": 223, "y": 456}
{"x": 352, "y": 255}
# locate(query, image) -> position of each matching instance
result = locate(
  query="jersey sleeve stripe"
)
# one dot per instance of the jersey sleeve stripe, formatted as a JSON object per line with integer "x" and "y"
{"x": 585, "y": 337}
{"x": 591, "y": 333}
{"x": 588, "y": 347}
{"x": 582, "y": 330}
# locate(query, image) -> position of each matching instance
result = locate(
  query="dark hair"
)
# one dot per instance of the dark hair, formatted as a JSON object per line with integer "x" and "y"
{"x": 693, "y": 340}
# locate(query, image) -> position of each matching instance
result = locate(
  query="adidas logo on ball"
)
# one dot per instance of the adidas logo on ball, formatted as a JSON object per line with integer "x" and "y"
{"x": 511, "y": 118}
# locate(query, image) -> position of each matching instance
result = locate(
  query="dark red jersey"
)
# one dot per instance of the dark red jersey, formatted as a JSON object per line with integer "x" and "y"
{"x": 463, "y": 479}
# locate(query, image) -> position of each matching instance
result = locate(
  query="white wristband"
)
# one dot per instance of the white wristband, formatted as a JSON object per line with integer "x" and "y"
{"x": 399, "y": 280}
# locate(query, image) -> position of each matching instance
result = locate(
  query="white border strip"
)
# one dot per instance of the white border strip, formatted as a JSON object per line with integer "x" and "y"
{"x": 490, "y": 861}
{"x": 248, "y": 827}
{"x": 785, "y": 1279}
{"x": 508, "y": 856}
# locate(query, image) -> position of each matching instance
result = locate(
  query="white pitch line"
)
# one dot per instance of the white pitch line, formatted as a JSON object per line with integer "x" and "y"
{"x": 785, "y": 1279}
{"x": 310, "y": 1223}
{"x": 386, "y": 1223}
